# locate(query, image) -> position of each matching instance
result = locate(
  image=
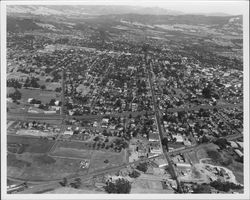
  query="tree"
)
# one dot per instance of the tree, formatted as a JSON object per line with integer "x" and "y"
{"x": 165, "y": 142}
{"x": 224, "y": 186}
{"x": 207, "y": 92}
{"x": 52, "y": 102}
{"x": 77, "y": 183}
{"x": 120, "y": 186}
{"x": 221, "y": 142}
{"x": 64, "y": 182}
{"x": 43, "y": 87}
{"x": 15, "y": 95}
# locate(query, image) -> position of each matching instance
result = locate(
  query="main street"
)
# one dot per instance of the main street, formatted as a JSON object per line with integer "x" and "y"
{"x": 166, "y": 155}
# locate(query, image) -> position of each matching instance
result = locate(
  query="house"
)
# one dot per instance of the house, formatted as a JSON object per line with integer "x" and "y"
{"x": 57, "y": 103}
{"x": 179, "y": 138}
{"x": 160, "y": 162}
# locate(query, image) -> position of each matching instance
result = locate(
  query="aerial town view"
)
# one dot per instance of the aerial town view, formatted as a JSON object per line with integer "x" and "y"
{"x": 123, "y": 99}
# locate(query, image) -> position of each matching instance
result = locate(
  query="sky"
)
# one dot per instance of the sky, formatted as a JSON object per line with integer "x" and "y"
{"x": 231, "y": 7}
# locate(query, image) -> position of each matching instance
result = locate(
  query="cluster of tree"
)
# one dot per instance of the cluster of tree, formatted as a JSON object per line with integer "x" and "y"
{"x": 142, "y": 167}
{"x": 31, "y": 82}
{"x": 203, "y": 188}
{"x": 34, "y": 101}
{"x": 76, "y": 184}
{"x": 134, "y": 174}
{"x": 221, "y": 142}
{"x": 120, "y": 186}
{"x": 15, "y": 95}
{"x": 225, "y": 186}
{"x": 208, "y": 92}
{"x": 58, "y": 89}
{"x": 14, "y": 83}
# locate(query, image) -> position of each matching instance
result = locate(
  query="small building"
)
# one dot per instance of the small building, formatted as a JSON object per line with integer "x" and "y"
{"x": 153, "y": 137}
{"x": 233, "y": 144}
{"x": 68, "y": 132}
{"x": 188, "y": 165}
{"x": 29, "y": 100}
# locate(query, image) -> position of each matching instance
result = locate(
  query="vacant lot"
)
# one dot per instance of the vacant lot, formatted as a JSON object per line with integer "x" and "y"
{"x": 33, "y": 145}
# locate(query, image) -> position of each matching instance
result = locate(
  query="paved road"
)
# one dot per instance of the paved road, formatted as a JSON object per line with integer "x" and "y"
{"x": 171, "y": 167}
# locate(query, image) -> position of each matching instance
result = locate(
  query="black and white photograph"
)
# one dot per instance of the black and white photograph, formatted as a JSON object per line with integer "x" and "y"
{"x": 125, "y": 99}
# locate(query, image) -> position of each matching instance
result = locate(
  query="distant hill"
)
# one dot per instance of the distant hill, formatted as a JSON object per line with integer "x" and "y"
{"x": 179, "y": 19}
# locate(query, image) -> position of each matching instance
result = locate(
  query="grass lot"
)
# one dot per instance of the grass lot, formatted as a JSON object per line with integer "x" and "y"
{"x": 35, "y": 145}
{"x": 43, "y": 95}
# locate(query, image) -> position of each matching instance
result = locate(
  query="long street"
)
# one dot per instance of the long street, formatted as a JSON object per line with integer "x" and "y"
{"x": 166, "y": 155}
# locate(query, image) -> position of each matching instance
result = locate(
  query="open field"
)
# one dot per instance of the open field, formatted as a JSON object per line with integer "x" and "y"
{"x": 71, "y": 152}
{"x": 42, "y": 167}
{"x": 98, "y": 158}
{"x": 33, "y": 145}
